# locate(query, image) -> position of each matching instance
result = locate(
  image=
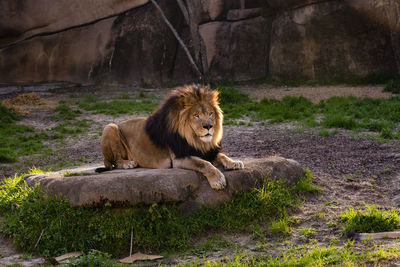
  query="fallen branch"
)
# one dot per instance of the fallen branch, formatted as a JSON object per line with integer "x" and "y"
{"x": 374, "y": 236}
{"x": 37, "y": 242}
{"x": 130, "y": 250}
{"x": 199, "y": 74}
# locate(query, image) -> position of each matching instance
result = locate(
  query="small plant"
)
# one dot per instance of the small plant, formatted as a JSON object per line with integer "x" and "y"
{"x": 306, "y": 232}
{"x": 65, "y": 112}
{"x": 213, "y": 244}
{"x": 393, "y": 86}
{"x": 94, "y": 258}
{"x": 371, "y": 219}
{"x": 281, "y": 226}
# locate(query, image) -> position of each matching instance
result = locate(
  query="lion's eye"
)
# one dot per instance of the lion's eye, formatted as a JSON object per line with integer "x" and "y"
{"x": 196, "y": 116}
{"x": 211, "y": 114}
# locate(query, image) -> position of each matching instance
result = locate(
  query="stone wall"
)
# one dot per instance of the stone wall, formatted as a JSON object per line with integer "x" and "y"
{"x": 128, "y": 41}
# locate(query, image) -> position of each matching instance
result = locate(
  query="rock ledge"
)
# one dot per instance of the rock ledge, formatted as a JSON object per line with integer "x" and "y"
{"x": 162, "y": 185}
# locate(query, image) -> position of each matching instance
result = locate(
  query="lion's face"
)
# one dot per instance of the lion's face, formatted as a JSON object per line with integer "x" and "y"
{"x": 202, "y": 122}
{"x": 196, "y": 116}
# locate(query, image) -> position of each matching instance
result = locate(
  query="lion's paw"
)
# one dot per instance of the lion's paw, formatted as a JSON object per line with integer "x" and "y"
{"x": 217, "y": 180}
{"x": 234, "y": 165}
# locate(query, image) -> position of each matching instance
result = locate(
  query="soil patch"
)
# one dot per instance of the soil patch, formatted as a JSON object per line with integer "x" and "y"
{"x": 315, "y": 94}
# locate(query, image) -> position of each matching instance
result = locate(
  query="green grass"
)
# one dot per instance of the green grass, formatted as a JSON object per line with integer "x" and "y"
{"x": 144, "y": 103}
{"x": 351, "y": 113}
{"x": 233, "y": 102}
{"x": 347, "y": 255}
{"x": 281, "y": 227}
{"x": 94, "y": 258}
{"x": 306, "y": 232}
{"x": 288, "y": 109}
{"x": 212, "y": 244}
{"x": 29, "y": 212}
{"x": 65, "y": 112}
{"x": 393, "y": 86}
{"x": 370, "y": 220}
{"x": 17, "y": 140}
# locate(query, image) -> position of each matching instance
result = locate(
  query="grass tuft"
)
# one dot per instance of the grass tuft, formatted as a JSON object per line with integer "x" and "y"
{"x": 15, "y": 139}
{"x": 393, "y": 86}
{"x": 370, "y": 220}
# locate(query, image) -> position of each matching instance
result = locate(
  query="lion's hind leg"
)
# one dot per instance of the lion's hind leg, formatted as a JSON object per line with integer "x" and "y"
{"x": 115, "y": 149}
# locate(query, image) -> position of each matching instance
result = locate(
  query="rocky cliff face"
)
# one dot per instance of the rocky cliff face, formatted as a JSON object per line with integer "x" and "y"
{"x": 129, "y": 41}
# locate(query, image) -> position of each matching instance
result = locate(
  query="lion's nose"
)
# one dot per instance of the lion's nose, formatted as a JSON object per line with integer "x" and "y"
{"x": 207, "y": 126}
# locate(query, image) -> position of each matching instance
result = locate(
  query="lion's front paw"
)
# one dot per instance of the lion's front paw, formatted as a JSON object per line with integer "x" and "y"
{"x": 217, "y": 180}
{"x": 234, "y": 165}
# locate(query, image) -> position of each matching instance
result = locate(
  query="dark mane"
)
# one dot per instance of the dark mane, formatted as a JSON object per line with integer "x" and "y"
{"x": 158, "y": 129}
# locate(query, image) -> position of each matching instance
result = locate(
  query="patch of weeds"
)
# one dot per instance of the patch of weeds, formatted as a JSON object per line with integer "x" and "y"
{"x": 354, "y": 113}
{"x": 71, "y": 128}
{"x": 281, "y": 226}
{"x": 65, "y": 112}
{"x": 29, "y": 212}
{"x": 123, "y": 96}
{"x": 338, "y": 120}
{"x": 17, "y": 140}
{"x": 332, "y": 203}
{"x": 213, "y": 244}
{"x": 257, "y": 232}
{"x": 319, "y": 216}
{"x": 393, "y": 86}
{"x": 298, "y": 130}
{"x": 306, "y": 232}
{"x": 122, "y": 104}
{"x": 370, "y": 220}
{"x": 332, "y": 224}
{"x": 350, "y": 113}
{"x": 93, "y": 258}
{"x": 325, "y": 132}
{"x": 305, "y": 185}
{"x": 288, "y": 109}
{"x": 234, "y": 103}
{"x": 117, "y": 107}
{"x": 347, "y": 255}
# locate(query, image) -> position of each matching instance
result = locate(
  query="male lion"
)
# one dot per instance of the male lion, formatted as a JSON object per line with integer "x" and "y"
{"x": 184, "y": 132}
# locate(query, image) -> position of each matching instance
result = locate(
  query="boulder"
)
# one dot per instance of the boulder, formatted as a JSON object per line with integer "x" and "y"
{"x": 237, "y": 50}
{"x": 66, "y": 56}
{"x": 134, "y": 47}
{"x": 21, "y": 19}
{"x": 328, "y": 39}
{"x": 385, "y": 12}
{"x": 148, "y": 186}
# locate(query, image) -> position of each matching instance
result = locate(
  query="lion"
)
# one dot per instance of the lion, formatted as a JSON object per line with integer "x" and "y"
{"x": 185, "y": 132}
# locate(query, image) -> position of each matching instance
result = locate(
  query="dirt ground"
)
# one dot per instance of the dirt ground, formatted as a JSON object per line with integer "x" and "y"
{"x": 350, "y": 169}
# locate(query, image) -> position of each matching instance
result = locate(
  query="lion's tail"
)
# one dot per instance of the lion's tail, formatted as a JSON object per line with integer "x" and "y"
{"x": 103, "y": 169}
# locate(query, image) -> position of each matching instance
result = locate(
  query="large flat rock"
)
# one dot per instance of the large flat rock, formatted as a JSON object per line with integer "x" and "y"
{"x": 148, "y": 186}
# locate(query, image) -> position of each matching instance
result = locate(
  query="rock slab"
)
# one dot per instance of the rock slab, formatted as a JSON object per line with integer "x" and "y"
{"x": 148, "y": 186}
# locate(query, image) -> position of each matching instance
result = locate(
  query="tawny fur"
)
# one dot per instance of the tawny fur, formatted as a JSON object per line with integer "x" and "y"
{"x": 190, "y": 113}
